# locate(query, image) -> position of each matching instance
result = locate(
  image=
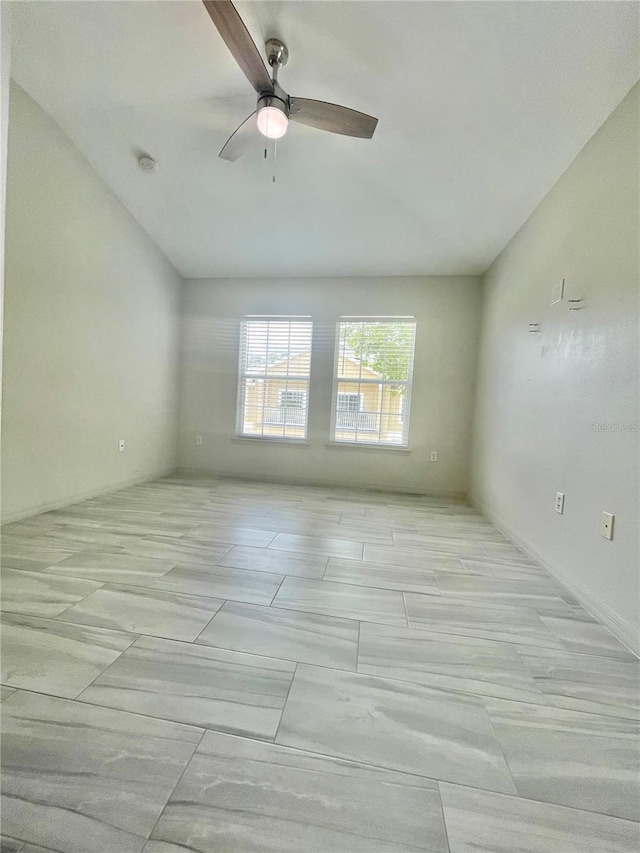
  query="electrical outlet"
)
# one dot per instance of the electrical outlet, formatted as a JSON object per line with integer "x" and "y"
{"x": 606, "y": 525}
{"x": 198, "y": 440}
{"x": 559, "y": 506}
{"x": 121, "y": 445}
{"x": 434, "y": 455}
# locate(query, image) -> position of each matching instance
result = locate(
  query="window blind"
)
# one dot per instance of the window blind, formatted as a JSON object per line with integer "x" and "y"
{"x": 274, "y": 373}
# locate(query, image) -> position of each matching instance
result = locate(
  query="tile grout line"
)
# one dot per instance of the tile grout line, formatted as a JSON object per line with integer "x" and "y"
{"x": 444, "y": 817}
{"x": 173, "y": 790}
{"x": 284, "y": 706}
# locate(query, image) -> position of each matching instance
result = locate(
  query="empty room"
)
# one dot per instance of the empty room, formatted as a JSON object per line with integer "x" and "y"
{"x": 320, "y": 426}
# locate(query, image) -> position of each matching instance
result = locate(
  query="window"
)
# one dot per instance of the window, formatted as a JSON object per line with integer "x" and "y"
{"x": 292, "y": 399}
{"x": 274, "y": 371}
{"x": 372, "y": 380}
{"x": 349, "y": 402}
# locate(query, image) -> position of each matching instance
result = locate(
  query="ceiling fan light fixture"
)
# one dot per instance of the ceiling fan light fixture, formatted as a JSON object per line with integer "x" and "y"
{"x": 272, "y": 122}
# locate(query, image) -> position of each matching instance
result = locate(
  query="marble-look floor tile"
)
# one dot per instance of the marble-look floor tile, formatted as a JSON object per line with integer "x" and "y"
{"x": 199, "y": 685}
{"x": 382, "y": 575}
{"x": 79, "y": 538}
{"x": 531, "y": 593}
{"x": 24, "y": 554}
{"x": 498, "y": 569}
{"x": 277, "y": 562}
{"x": 505, "y": 550}
{"x": 5, "y": 692}
{"x": 242, "y": 795}
{"x": 502, "y": 624}
{"x": 217, "y": 533}
{"x": 11, "y": 845}
{"x": 80, "y": 779}
{"x": 393, "y": 724}
{"x": 325, "y": 546}
{"x": 456, "y": 529}
{"x": 222, "y": 516}
{"x": 308, "y": 515}
{"x": 462, "y": 664}
{"x": 285, "y": 634}
{"x": 586, "y": 636}
{"x": 41, "y": 594}
{"x": 220, "y": 582}
{"x": 145, "y": 611}
{"x": 154, "y": 525}
{"x": 354, "y": 533}
{"x": 389, "y": 525}
{"x": 411, "y": 558}
{"x": 176, "y": 550}
{"x": 54, "y": 657}
{"x": 585, "y": 683}
{"x": 341, "y": 599}
{"x": 570, "y": 758}
{"x": 29, "y": 563}
{"x": 113, "y": 568}
{"x": 483, "y": 822}
{"x": 299, "y": 526}
{"x": 439, "y": 544}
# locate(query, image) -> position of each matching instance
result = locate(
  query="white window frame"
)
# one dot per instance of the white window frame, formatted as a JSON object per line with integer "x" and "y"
{"x": 404, "y": 413}
{"x": 302, "y": 394}
{"x": 245, "y": 376}
{"x": 351, "y": 394}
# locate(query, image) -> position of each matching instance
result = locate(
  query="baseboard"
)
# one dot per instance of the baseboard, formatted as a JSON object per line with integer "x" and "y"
{"x": 313, "y": 482}
{"x": 619, "y": 627}
{"x": 83, "y": 496}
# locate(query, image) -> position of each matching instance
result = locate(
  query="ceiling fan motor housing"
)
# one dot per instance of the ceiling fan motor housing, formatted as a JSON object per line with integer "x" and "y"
{"x": 274, "y": 101}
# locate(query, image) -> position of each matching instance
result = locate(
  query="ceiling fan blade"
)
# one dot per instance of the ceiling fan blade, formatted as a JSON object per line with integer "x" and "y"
{"x": 332, "y": 117}
{"x": 236, "y": 36}
{"x": 237, "y": 143}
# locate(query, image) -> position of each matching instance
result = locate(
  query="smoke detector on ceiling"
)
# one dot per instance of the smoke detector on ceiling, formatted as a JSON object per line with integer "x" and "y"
{"x": 148, "y": 164}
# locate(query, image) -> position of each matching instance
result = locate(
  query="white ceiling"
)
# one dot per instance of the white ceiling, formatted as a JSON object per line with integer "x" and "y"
{"x": 481, "y": 107}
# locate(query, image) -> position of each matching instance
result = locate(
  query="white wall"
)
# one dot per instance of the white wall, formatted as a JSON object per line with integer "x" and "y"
{"x": 5, "y": 67}
{"x": 447, "y": 312}
{"x": 91, "y": 329}
{"x": 539, "y": 395}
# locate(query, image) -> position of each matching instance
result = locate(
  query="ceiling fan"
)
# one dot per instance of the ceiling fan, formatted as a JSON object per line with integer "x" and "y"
{"x": 275, "y": 107}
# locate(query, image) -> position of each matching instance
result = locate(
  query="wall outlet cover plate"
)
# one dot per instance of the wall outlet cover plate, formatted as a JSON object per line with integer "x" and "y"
{"x": 557, "y": 292}
{"x": 606, "y": 525}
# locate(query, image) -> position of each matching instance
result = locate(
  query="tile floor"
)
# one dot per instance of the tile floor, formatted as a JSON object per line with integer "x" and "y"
{"x": 201, "y": 665}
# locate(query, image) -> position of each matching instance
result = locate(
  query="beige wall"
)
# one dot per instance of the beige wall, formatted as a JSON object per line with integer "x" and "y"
{"x": 91, "y": 329}
{"x": 542, "y": 398}
{"x": 447, "y": 312}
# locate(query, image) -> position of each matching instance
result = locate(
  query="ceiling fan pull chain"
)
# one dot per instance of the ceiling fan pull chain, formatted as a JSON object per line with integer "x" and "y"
{"x": 275, "y": 160}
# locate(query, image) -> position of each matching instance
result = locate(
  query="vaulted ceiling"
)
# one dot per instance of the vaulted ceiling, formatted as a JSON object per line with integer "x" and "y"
{"x": 481, "y": 107}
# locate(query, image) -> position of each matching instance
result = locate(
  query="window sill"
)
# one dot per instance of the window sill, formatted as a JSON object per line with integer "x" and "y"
{"x": 263, "y": 439}
{"x": 361, "y": 445}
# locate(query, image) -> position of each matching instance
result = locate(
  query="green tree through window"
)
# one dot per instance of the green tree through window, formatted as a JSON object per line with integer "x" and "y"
{"x": 383, "y": 347}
